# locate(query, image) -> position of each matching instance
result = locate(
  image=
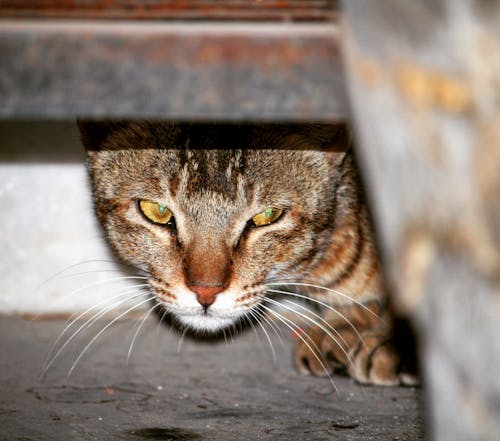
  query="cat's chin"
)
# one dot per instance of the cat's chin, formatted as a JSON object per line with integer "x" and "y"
{"x": 205, "y": 323}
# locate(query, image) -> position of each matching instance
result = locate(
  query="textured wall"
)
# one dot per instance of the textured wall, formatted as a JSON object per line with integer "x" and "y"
{"x": 47, "y": 223}
{"x": 424, "y": 87}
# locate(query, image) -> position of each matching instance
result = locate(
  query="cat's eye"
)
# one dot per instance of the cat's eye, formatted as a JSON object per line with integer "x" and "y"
{"x": 269, "y": 215}
{"x": 156, "y": 213}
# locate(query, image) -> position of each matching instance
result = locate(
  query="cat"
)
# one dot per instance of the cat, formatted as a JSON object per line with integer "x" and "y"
{"x": 225, "y": 218}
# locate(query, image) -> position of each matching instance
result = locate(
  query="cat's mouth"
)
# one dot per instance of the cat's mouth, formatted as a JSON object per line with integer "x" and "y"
{"x": 224, "y": 313}
{"x": 205, "y": 322}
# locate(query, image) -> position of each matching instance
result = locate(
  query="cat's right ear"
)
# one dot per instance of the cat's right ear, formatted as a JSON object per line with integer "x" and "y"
{"x": 94, "y": 133}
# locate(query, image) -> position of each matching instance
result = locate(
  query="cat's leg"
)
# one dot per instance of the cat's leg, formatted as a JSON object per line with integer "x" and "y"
{"x": 355, "y": 342}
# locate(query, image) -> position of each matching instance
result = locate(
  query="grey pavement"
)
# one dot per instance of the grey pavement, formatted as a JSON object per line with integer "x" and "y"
{"x": 200, "y": 391}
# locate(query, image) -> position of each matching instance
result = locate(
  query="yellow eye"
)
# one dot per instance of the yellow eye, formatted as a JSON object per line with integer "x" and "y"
{"x": 268, "y": 216}
{"x": 155, "y": 212}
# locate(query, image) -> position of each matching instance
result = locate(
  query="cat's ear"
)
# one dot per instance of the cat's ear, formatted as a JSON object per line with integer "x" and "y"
{"x": 93, "y": 133}
{"x": 335, "y": 138}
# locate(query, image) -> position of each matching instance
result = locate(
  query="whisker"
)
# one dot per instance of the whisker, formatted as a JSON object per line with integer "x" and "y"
{"x": 161, "y": 318}
{"x": 293, "y": 327}
{"x": 89, "y": 323}
{"x": 181, "y": 340}
{"x": 319, "y": 302}
{"x": 310, "y": 319}
{"x": 82, "y": 273}
{"x": 266, "y": 334}
{"x": 252, "y": 324}
{"x": 318, "y": 316}
{"x": 102, "y": 282}
{"x": 238, "y": 325}
{"x": 106, "y": 300}
{"x": 310, "y": 285}
{"x": 139, "y": 328}
{"x": 90, "y": 285}
{"x": 102, "y": 330}
{"x": 58, "y": 273}
{"x": 231, "y": 334}
{"x": 272, "y": 325}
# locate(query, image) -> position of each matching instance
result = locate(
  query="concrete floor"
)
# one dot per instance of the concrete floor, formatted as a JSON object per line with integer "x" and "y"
{"x": 205, "y": 391}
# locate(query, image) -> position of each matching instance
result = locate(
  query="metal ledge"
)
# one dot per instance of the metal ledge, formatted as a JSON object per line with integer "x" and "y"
{"x": 197, "y": 70}
{"x": 201, "y": 10}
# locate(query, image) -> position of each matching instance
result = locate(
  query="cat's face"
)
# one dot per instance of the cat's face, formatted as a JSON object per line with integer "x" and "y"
{"x": 212, "y": 226}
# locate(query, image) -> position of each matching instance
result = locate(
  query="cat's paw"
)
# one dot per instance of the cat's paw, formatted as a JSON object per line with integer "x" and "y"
{"x": 310, "y": 359}
{"x": 375, "y": 360}
{"x": 370, "y": 360}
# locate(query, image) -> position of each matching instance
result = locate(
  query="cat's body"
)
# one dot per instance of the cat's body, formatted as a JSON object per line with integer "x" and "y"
{"x": 222, "y": 217}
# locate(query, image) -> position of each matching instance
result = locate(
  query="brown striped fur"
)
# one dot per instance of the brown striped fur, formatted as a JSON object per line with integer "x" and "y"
{"x": 214, "y": 178}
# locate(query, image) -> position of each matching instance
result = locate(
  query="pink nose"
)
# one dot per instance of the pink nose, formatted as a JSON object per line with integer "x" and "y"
{"x": 206, "y": 294}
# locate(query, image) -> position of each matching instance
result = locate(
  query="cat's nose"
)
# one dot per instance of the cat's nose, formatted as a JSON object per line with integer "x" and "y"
{"x": 206, "y": 294}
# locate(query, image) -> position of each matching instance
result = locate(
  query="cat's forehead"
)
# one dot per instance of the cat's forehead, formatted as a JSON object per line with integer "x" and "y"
{"x": 233, "y": 174}
{"x": 217, "y": 170}
{"x": 229, "y": 172}
{"x": 144, "y": 160}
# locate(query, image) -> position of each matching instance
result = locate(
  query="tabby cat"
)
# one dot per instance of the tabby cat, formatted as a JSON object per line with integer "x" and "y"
{"x": 225, "y": 218}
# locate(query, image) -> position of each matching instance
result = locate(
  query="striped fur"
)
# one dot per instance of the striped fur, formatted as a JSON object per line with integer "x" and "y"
{"x": 214, "y": 178}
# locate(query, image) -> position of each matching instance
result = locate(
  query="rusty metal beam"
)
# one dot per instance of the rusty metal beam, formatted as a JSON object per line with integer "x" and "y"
{"x": 275, "y": 10}
{"x": 258, "y": 71}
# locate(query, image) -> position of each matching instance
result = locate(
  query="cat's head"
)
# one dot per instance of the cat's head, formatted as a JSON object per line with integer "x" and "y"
{"x": 214, "y": 212}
